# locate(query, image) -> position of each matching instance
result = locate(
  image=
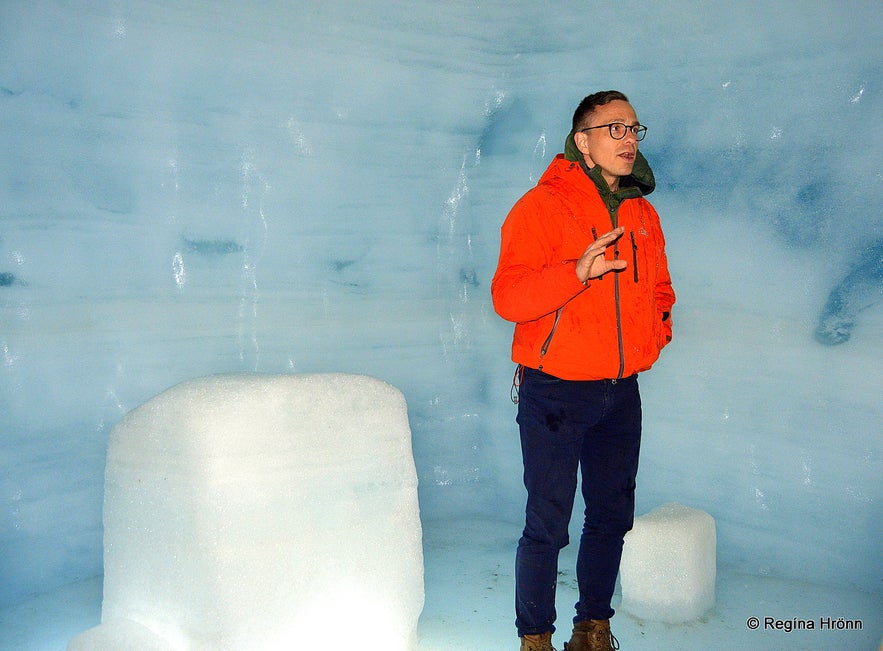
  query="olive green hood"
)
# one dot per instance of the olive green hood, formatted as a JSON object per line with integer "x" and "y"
{"x": 641, "y": 176}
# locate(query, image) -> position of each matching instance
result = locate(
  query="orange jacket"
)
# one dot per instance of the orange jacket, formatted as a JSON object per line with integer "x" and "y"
{"x": 615, "y": 326}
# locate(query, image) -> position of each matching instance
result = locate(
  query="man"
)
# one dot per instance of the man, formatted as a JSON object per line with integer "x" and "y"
{"x": 584, "y": 276}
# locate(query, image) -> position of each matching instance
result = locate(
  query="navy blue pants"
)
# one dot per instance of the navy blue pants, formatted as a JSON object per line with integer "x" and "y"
{"x": 569, "y": 426}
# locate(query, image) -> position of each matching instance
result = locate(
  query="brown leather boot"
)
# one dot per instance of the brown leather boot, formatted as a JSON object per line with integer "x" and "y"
{"x": 541, "y": 642}
{"x": 592, "y": 635}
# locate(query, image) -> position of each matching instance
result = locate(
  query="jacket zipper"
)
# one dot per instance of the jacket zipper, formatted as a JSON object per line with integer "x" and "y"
{"x": 634, "y": 256}
{"x": 614, "y": 220}
{"x": 618, "y": 327}
{"x": 545, "y": 347}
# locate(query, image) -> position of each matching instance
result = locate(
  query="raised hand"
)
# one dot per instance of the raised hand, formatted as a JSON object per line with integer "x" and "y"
{"x": 593, "y": 264}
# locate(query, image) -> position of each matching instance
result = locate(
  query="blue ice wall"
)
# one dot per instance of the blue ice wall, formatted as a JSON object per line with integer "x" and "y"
{"x": 190, "y": 188}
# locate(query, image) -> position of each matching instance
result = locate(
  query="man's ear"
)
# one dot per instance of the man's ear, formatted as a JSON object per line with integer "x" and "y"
{"x": 581, "y": 140}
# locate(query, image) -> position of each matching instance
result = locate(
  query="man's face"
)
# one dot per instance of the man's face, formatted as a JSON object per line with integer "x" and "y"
{"x": 615, "y": 157}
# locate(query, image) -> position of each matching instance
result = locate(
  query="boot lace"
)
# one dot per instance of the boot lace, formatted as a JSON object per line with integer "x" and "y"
{"x": 599, "y": 637}
{"x": 603, "y": 640}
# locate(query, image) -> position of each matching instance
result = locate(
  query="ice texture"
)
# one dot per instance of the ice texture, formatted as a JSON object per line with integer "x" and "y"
{"x": 669, "y": 565}
{"x": 262, "y": 512}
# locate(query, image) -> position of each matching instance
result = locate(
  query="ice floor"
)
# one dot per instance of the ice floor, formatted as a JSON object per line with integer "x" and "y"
{"x": 469, "y": 595}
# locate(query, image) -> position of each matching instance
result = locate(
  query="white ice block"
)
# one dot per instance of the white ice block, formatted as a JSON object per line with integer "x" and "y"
{"x": 669, "y": 565}
{"x": 262, "y": 512}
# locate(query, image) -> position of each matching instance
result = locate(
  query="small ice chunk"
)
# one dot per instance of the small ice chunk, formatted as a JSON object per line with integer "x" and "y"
{"x": 262, "y": 512}
{"x": 669, "y": 565}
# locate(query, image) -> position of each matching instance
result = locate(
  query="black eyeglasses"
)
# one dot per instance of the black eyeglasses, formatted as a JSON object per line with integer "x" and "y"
{"x": 618, "y": 130}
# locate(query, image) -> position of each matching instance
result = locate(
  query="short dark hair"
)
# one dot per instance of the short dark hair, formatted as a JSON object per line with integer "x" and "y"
{"x": 593, "y": 101}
